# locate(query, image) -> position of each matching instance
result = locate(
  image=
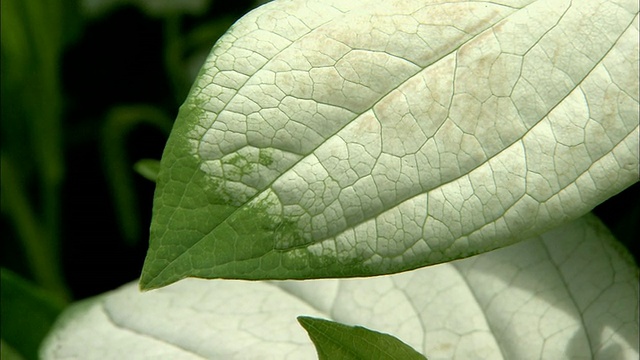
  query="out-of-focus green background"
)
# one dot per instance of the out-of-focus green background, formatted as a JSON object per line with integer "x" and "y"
{"x": 90, "y": 88}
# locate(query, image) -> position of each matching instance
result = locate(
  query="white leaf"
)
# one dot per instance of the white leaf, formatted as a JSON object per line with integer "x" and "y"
{"x": 329, "y": 138}
{"x": 571, "y": 293}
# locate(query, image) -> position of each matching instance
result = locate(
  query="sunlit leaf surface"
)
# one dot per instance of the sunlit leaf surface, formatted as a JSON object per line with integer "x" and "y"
{"x": 350, "y": 138}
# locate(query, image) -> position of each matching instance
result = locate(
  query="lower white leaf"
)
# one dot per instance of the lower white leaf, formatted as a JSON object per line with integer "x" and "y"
{"x": 571, "y": 293}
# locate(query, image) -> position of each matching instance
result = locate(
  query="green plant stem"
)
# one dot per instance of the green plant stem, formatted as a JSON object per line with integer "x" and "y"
{"x": 41, "y": 252}
{"x": 118, "y": 168}
{"x": 31, "y": 58}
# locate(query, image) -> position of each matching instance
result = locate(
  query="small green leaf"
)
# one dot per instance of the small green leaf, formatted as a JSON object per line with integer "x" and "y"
{"x": 148, "y": 168}
{"x": 338, "y": 341}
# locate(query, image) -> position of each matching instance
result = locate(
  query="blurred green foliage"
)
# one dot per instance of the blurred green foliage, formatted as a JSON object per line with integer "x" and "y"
{"x": 33, "y": 37}
{"x": 90, "y": 88}
{"x": 27, "y": 313}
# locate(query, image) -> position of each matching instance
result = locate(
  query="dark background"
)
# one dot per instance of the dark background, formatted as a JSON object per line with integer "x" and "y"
{"x": 87, "y": 91}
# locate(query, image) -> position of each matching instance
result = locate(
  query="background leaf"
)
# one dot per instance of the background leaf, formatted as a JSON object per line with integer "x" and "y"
{"x": 330, "y": 140}
{"x": 570, "y": 293}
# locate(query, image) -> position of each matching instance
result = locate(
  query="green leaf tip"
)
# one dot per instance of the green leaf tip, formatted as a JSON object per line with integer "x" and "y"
{"x": 338, "y": 341}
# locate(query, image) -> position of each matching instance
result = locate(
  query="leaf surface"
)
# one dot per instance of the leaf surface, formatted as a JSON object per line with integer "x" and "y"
{"x": 571, "y": 293}
{"x": 340, "y": 139}
{"x": 338, "y": 341}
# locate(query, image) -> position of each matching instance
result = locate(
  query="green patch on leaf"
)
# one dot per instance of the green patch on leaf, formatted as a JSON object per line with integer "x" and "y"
{"x": 266, "y": 157}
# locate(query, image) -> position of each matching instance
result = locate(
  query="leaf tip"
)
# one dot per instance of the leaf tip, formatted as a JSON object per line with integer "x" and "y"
{"x": 150, "y": 282}
{"x": 144, "y": 285}
{"x": 305, "y": 321}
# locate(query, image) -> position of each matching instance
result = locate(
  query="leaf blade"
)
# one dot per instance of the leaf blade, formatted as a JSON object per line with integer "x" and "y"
{"x": 338, "y": 341}
{"x": 272, "y": 173}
